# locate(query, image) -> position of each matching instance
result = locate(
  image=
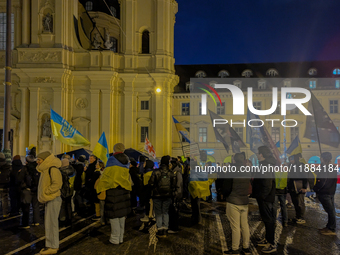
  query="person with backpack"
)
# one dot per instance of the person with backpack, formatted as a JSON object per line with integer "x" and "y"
{"x": 116, "y": 182}
{"x": 236, "y": 192}
{"x": 162, "y": 183}
{"x": 49, "y": 186}
{"x": 31, "y": 166}
{"x": 68, "y": 174}
{"x": 280, "y": 195}
{"x": 325, "y": 189}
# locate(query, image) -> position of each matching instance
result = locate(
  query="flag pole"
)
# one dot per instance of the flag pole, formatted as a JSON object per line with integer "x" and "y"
{"x": 180, "y": 139}
{"x": 316, "y": 125}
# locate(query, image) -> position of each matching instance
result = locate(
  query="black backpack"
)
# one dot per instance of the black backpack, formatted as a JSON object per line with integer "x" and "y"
{"x": 164, "y": 182}
{"x": 65, "y": 188}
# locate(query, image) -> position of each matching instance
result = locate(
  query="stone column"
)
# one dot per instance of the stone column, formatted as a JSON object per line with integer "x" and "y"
{"x": 106, "y": 116}
{"x": 34, "y": 115}
{"x": 23, "y": 133}
{"x": 57, "y": 107}
{"x": 26, "y": 22}
{"x": 95, "y": 120}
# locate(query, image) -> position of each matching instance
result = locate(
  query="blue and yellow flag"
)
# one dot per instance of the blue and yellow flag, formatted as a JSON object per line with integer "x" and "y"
{"x": 182, "y": 130}
{"x": 101, "y": 150}
{"x": 65, "y": 133}
{"x": 295, "y": 147}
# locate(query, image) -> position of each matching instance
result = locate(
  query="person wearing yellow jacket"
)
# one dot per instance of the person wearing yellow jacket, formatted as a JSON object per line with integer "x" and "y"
{"x": 49, "y": 186}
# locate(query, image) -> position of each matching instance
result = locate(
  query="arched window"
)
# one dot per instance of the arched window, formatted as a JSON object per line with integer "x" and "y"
{"x": 113, "y": 11}
{"x": 312, "y": 71}
{"x": 200, "y": 74}
{"x": 261, "y": 84}
{"x": 272, "y": 72}
{"x": 89, "y": 6}
{"x": 223, "y": 74}
{"x": 336, "y": 71}
{"x": 146, "y": 42}
{"x": 247, "y": 73}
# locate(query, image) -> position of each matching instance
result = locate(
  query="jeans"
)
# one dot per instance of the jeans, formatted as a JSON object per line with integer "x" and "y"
{"x": 117, "y": 230}
{"x": 282, "y": 200}
{"x": 161, "y": 207}
{"x": 35, "y": 206}
{"x": 66, "y": 210}
{"x": 196, "y": 211}
{"x": 4, "y": 200}
{"x": 52, "y": 210}
{"x": 238, "y": 217}
{"x": 327, "y": 202}
{"x": 268, "y": 216}
{"x": 299, "y": 204}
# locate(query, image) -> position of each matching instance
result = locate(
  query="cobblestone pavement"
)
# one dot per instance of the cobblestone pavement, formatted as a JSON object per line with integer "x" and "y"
{"x": 212, "y": 236}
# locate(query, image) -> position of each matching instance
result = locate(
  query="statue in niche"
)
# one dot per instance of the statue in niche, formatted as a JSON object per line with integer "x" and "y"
{"x": 48, "y": 23}
{"x": 96, "y": 41}
{"x": 46, "y": 127}
{"x": 108, "y": 42}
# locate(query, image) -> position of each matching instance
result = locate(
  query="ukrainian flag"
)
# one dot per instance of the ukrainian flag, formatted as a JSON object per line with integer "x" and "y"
{"x": 65, "y": 133}
{"x": 182, "y": 130}
{"x": 101, "y": 150}
{"x": 295, "y": 147}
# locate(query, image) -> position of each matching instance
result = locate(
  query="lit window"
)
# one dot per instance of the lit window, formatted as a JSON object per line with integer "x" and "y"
{"x": 221, "y": 108}
{"x": 336, "y": 71}
{"x": 3, "y": 23}
{"x": 257, "y": 105}
{"x": 113, "y": 11}
{"x": 287, "y": 83}
{"x": 89, "y": 6}
{"x": 275, "y": 134}
{"x": 188, "y": 86}
{"x": 238, "y": 83}
{"x": 202, "y": 134}
{"x": 144, "y": 105}
{"x": 294, "y": 131}
{"x": 312, "y": 84}
{"x": 183, "y": 139}
{"x": 337, "y": 84}
{"x": 333, "y": 106}
{"x": 272, "y": 72}
{"x": 143, "y": 133}
{"x": 262, "y": 84}
{"x": 312, "y": 71}
{"x": 223, "y": 74}
{"x": 200, "y": 74}
{"x": 247, "y": 73}
{"x": 185, "y": 108}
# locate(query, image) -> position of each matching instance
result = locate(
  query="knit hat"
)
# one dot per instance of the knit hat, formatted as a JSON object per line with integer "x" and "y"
{"x": 2, "y": 157}
{"x": 44, "y": 155}
{"x": 16, "y": 157}
{"x": 65, "y": 162}
{"x": 165, "y": 160}
{"x": 81, "y": 158}
{"x": 119, "y": 147}
{"x": 326, "y": 156}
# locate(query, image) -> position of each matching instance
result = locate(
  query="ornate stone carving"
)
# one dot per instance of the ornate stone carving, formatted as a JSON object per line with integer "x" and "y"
{"x": 108, "y": 42}
{"x": 81, "y": 103}
{"x": 45, "y": 102}
{"x": 47, "y": 4}
{"x": 48, "y": 23}
{"x": 46, "y": 130}
{"x": 96, "y": 41}
{"x": 39, "y": 56}
{"x": 44, "y": 80}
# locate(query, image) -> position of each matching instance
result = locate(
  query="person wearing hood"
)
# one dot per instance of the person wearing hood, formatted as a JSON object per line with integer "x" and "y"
{"x": 162, "y": 183}
{"x": 68, "y": 174}
{"x": 264, "y": 191}
{"x": 116, "y": 181}
{"x": 146, "y": 191}
{"x": 297, "y": 187}
{"x": 325, "y": 189}
{"x": 78, "y": 200}
{"x": 5, "y": 170}
{"x": 49, "y": 186}
{"x": 31, "y": 166}
{"x": 14, "y": 185}
{"x": 236, "y": 192}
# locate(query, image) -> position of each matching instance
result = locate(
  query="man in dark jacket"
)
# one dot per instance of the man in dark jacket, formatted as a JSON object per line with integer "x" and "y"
{"x": 264, "y": 192}
{"x": 325, "y": 189}
{"x": 162, "y": 182}
{"x": 78, "y": 184}
{"x": 134, "y": 173}
{"x": 146, "y": 190}
{"x": 89, "y": 183}
{"x": 116, "y": 181}
{"x": 5, "y": 170}
{"x": 236, "y": 191}
{"x": 14, "y": 187}
{"x": 297, "y": 187}
{"x": 35, "y": 175}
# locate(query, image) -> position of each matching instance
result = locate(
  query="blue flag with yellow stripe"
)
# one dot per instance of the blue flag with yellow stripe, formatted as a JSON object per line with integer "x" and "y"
{"x": 65, "y": 133}
{"x": 182, "y": 130}
{"x": 295, "y": 147}
{"x": 101, "y": 150}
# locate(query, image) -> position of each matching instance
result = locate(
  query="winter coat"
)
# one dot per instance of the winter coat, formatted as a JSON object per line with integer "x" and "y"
{"x": 117, "y": 201}
{"x": 137, "y": 182}
{"x": 35, "y": 175}
{"x": 155, "y": 179}
{"x": 297, "y": 175}
{"x": 178, "y": 191}
{"x": 5, "y": 171}
{"x": 14, "y": 182}
{"x": 264, "y": 188}
{"x": 327, "y": 184}
{"x": 49, "y": 183}
{"x": 78, "y": 182}
{"x": 89, "y": 182}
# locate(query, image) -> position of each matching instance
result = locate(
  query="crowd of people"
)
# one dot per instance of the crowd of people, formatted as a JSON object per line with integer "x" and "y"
{"x": 122, "y": 187}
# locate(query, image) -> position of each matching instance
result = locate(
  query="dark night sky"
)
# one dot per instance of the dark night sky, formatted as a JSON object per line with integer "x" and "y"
{"x": 254, "y": 31}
